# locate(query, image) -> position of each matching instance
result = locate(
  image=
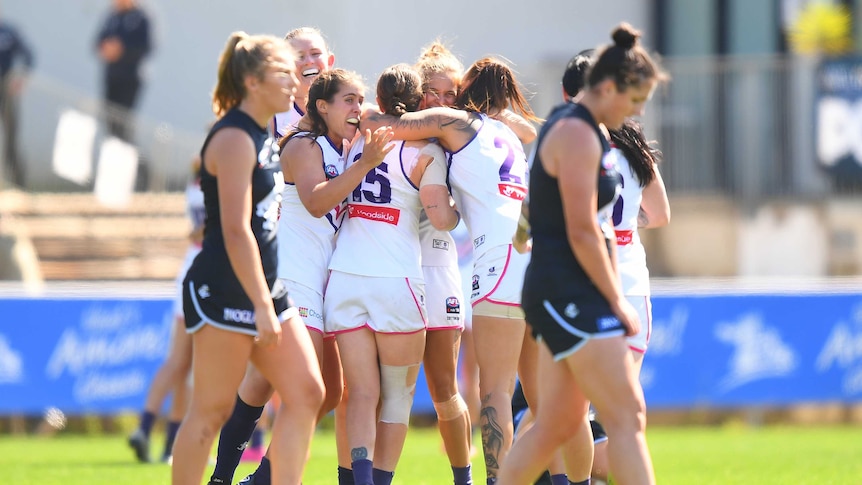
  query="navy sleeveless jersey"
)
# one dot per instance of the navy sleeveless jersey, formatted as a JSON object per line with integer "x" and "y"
{"x": 554, "y": 272}
{"x": 212, "y": 267}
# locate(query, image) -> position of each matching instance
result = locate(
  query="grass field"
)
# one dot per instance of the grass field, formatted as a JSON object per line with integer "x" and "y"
{"x": 682, "y": 455}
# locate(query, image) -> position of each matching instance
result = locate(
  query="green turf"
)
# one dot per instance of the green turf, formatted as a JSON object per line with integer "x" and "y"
{"x": 771, "y": 455}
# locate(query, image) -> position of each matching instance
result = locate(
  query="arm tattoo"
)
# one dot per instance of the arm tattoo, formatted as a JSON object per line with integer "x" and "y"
{"x": 643, "y": 220}
{"x": 359, "y": 454}
{"x": 492, "y": 437}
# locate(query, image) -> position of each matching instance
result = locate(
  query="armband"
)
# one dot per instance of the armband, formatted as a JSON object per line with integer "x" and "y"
{"x": 436, "y": 172}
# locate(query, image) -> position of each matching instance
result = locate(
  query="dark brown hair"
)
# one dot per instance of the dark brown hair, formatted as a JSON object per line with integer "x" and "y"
{"x": 641, "y": 154}
{"x": 626, "y": 62}
{"x": 325, "y": 87}
{"x": 489, "y": 85}
{"x": 399, "y": 89}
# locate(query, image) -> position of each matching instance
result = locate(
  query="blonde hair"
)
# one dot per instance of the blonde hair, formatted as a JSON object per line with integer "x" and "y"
{"x": 243, "y": 55}
{"x": 436, "y": 58}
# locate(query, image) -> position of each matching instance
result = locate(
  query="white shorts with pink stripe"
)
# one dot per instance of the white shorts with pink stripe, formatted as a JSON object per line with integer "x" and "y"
{"x": 498, "y": 278}
{"x": 385, "y": 305}
{"x": 643, "y": 306}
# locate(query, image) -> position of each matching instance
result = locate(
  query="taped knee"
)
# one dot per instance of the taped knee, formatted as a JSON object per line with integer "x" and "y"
{"x": 453, "y": 408}
{"x": 397, "y": 386}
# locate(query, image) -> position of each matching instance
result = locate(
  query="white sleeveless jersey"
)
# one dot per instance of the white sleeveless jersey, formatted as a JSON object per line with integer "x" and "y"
{"x": 380, "y": 236}
{"x": 631, "y": 256}
{"x": 488, "y": 177}
{"x": 195, "y": 203}
{"x": 438, "y": 247}
{"x": 305, "y": 242}
{"x": 287, "y": 121}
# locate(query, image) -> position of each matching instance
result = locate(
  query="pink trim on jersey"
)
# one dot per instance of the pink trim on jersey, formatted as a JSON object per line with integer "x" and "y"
{"x": 499, "y": 280}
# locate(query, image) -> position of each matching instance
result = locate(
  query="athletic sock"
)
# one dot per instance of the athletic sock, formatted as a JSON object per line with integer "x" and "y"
{"x": 146, "y": 424}
{"x": 462, "y": 475}
{"x": 256, "y": 438}
{"x": 170, "y": 436}
{"x": 560, "y": 479}
{"x": 263, "y": 475}
{"x": 345, "y": 476}
{"x": 382, "y": 477}
{"x": 233, "y": 438}
{"x": 362, "y": 474}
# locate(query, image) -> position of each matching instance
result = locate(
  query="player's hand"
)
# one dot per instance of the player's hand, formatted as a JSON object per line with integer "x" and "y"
{"x": 628, "y": 316}
{"x": 268, "y": 328}
{"x": 377, "y": 146}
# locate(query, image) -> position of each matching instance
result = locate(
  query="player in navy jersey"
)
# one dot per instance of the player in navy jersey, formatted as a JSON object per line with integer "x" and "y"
{"x": 233, "y": 308}
{"x": 572, "y": 296}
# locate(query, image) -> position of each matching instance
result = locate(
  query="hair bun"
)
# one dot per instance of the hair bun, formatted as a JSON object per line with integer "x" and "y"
{"x": 625, "y": 36}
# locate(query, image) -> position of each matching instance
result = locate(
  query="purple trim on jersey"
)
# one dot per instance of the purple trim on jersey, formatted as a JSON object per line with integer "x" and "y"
{"x": 482, "y": 119}
{"x": 334, "y": 147}
{"x": 401, "y": 161}
{"x": 298, "y": 109}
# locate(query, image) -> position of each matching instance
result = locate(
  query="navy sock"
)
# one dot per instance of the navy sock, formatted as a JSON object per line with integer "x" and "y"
{"x": 382, "y": 477}
{"x": 585, "y": 482}
{"x": 362, "y": 472}
{"x": 262, "y": 475}
{"x": 170, "y": 436}
{"x": 233, "y": 437}
{"x": 256, "y": 438}
{"x": 560, "y": 479}
{"x": 147, "y": 420}
{"x": 345, "y": 476}
{"x": 463, "y": 475}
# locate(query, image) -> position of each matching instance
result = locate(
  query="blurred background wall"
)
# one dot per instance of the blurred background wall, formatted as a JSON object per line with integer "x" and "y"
{"x": 738, "y": 124}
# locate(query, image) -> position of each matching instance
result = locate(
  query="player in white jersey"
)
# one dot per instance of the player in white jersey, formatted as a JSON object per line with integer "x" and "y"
{"x": 441, "y": 72}
{"x": 312, "y": 57}
{"x": 472, "y": 137}
{"x": 376, "y": 305}
{"x": 312, "y": 209}
{"x": 172, "y": 376}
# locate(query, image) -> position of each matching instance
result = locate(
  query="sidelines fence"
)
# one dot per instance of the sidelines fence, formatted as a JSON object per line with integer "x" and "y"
{"x": 736, "y": 347}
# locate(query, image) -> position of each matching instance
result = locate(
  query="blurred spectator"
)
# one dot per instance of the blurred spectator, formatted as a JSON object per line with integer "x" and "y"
{"x": 12, "y": 50}
{"x": 123, "y": 43}
{"x": 18, "y": 259}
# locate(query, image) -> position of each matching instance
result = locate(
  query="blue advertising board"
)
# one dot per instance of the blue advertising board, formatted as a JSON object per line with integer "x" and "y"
{"x": 98, "y": 355}
{"x": 80, "y": 355}
{"x": 741, "y": 350}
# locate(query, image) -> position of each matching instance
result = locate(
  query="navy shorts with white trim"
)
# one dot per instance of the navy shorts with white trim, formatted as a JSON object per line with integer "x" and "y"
{"x": 565, "y": 325}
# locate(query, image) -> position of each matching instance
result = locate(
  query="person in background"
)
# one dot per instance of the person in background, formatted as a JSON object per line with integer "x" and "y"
{"x": 172, "y": 376}
{"x": 13, "y": 52}
{"x": 235, "y": 308}
{"x": 123, "y": 43}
